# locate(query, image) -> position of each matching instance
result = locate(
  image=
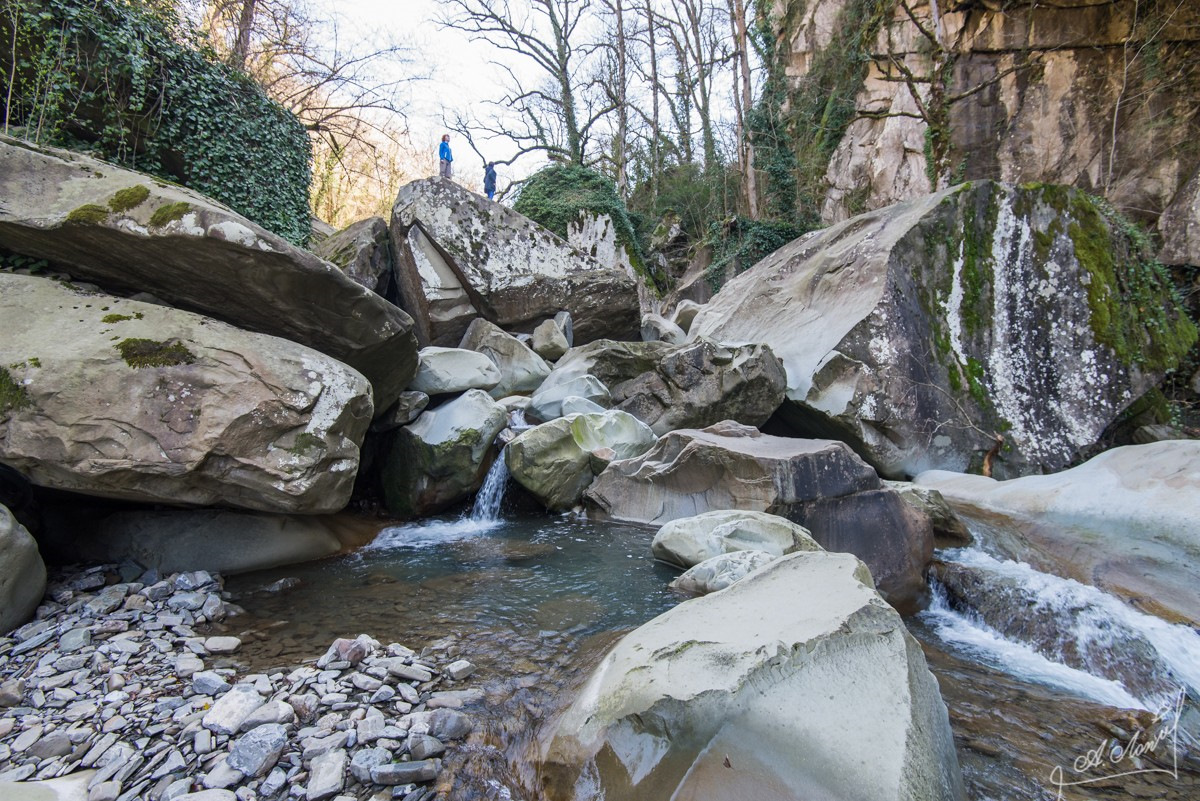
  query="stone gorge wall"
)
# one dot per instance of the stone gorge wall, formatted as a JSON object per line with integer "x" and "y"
{"x": 1107, "y": 102}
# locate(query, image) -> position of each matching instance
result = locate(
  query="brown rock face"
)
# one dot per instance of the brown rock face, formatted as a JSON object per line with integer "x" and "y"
{"x": 820, "y": 484}
{"x": 460, "y": 256}
{"x": 1095, "y": 95}
{"x": 130, "y": 231}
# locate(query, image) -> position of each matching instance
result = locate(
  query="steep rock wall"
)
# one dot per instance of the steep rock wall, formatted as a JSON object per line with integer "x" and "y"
{"x": 1098, "y": 95}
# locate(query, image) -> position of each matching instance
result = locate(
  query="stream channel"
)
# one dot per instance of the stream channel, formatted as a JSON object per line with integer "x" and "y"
{"x": 1039, "y": 673}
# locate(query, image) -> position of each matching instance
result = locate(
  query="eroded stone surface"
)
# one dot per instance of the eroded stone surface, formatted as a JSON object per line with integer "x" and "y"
{"x": 193, "y": 411}
{"x": 203, "y": 257}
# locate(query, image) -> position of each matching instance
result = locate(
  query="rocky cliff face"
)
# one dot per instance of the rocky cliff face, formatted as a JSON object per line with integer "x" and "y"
{"x": 1098, "y": 95}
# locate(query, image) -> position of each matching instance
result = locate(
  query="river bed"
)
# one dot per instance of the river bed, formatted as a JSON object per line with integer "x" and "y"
{"x": 536, "y": 601}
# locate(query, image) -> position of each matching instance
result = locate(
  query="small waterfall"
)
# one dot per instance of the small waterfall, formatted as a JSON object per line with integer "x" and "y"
{"x": 1060, "y": 632}
{"x": 487, "y": 500}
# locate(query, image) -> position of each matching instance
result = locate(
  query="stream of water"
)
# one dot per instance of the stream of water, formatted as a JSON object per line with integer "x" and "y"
{"x": 1039, "y": 677}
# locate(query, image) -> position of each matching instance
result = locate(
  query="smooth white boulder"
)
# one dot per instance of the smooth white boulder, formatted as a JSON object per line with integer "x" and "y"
{"x": 688, "y": 541}
{"x": 798, "y": 682}
{"x": 446, "y": 371}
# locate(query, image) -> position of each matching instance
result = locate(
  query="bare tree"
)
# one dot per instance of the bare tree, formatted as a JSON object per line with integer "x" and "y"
{"x": 554, "y": 114}
{"x": 700, "y": 50}
{"x": 743, "y": 100}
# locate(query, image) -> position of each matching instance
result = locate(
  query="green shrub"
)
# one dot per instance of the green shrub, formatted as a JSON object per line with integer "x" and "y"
{"x": 554, "y": 197}
{"x": 128, "y": 82}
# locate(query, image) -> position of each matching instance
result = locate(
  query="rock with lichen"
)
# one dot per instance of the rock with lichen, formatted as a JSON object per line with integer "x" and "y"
{"x": 132, "y": 232}
{"x": 122, "y": 399}
{"x": 988, "y": 323}
{"x": 459, "y": 256}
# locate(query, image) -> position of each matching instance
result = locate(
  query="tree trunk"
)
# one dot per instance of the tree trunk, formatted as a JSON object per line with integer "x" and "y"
{"x": 743, "y": 102}
{"x": 241, "y": 45}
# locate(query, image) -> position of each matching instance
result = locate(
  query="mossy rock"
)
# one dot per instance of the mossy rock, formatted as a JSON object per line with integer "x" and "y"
{"x": 169, "y": 213}
{"x": 88, "y": 214}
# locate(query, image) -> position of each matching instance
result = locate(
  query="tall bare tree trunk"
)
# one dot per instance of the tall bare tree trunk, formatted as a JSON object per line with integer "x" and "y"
{"x": 621, "y": 159}
{"x": 241, "y": 45}
{"x": 743, "y": 102}
{"x": 655, "y": 166}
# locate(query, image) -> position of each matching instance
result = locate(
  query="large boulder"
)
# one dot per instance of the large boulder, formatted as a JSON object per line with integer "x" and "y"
{"x": 547, "y": 402}
{"x": 672, "y": 386}
{"x": 984, "y": 318}
{"x": 122, "y": 399}
{"x": 797, "y": 682}
{"x": 460, "y": 256}
{"x": 1124, "y": 521}
{"x": 22, "y": 573}
{"x": 521, "y": 370}
{"x": 363, "y": 251}
{"x": 442, "y": 457}
{"x": 688, "y": 541}
{"x": 820, "y": 484}
{"x": 448, "y": 371}
{"x": 133, "y": 232}
{"x": 179, "y": 541}
{"x": 556, "y": 461}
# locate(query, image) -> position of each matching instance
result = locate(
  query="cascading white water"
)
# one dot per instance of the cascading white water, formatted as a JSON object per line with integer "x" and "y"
{"x": 1091, "y": 623}
{"x": 487, "y": 500}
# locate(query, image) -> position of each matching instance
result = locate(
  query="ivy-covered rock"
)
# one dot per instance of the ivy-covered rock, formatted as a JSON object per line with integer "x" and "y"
{"x": 131, "y": 83}
{"x": 583, "y": 207}
{"x": 128, "y": 231}
{"x": 130, "y": 400}
{"x": 989, "y": 318}
{"x": 460, "y": 256}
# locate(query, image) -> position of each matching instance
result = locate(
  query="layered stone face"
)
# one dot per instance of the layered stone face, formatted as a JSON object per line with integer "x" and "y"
{"x": 796, "y": 682}
{"x": 987, "y": 317}
{"x": 461, "y": 256}
{"x": 132, "y": 232}
{"x": 122, "y": 399}
{"x": 1067, "y": 93}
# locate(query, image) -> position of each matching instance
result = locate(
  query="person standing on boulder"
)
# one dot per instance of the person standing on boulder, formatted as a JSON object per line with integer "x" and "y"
{"x": 446, "y": 158}
{"x": 489, "y": 180}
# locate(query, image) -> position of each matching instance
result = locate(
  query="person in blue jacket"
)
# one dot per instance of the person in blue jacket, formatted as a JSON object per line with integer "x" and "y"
{"x": 489, "y": 180}
{"x": 445, "y": 157}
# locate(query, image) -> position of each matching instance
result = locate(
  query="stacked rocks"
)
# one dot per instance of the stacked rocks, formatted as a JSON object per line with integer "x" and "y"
{"x": 114, "y": 678}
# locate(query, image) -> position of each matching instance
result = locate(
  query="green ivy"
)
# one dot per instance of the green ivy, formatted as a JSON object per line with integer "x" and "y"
{"x": 129, "y": 82}
{"x": 554, "y": 197}
{"x": 743, "y": 243}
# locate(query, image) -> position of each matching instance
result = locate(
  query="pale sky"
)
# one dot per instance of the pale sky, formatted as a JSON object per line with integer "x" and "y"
{"x": 460, "y": 77}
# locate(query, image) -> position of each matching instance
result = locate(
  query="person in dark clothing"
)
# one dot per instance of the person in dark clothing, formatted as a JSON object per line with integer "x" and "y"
{"x": 489, "y": 180}
{"x": 446, "y": 158}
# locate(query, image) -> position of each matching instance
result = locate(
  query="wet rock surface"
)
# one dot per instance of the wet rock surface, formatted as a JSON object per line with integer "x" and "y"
{"x": 119, "y": 679}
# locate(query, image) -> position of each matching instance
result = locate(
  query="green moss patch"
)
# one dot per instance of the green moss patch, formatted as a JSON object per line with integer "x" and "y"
{"x": 306, "y": 443}
{"x": 169, "y": 213}
{"x": 13, "y": 396}
{"x": 118, "y": 318}
{"x": 1135, "y": 308}
{"x": 128, "y": 198}
{"x": 88, "y": 214}
{"x": 140, "y": 353}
